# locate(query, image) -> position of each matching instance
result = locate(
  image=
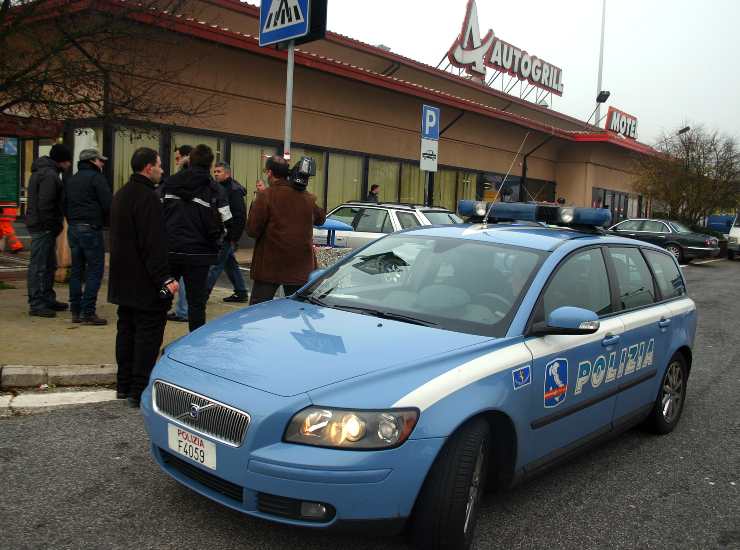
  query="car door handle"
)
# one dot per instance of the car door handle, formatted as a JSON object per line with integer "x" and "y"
{"x": 610, "y": 340}
{"x": 663, "y": 323}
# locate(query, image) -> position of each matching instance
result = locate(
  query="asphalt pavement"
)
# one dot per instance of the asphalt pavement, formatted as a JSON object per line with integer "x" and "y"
{"x": 82, "y": 477}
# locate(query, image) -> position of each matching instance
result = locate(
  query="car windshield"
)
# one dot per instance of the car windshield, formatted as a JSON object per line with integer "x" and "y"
{"x": 680, "y": 228}
{"x": 442, "y": 218}
{"x": 453, "y": 284}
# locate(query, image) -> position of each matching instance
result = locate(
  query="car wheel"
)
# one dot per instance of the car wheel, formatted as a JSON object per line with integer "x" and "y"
{"x": 676, "y": 251}
{"x": 446, "y": 510}
{"x": 730, "y": 254}
{"x": 671, "y": 397}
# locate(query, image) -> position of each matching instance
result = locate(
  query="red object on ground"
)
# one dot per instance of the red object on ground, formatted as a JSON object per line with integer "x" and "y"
{"x": 7, "y": 217}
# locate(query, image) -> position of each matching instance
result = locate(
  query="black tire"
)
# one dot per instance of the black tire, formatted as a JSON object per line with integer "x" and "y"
{"x": 730, "y": 255}
{"x": 676, "y": 251}
{"x": 446, "y": 510}
{"x": 667, "y": 411}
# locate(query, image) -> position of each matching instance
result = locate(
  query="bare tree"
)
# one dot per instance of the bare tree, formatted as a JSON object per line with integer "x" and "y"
{"x": 72, "y": 59}
{"x": 695, "y": 174}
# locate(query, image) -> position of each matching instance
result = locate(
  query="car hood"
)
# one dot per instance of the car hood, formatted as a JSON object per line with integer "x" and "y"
{"x": 287, "y": 347}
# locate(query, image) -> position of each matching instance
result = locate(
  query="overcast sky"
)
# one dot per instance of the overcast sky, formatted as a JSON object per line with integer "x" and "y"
{"x": 665, "y": 61}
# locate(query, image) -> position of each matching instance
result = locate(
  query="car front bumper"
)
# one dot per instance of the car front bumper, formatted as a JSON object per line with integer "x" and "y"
{"x": 268, "y": 478}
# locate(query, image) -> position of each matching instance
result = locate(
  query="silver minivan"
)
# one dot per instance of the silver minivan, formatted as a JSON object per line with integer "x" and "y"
{"x": 371, "y": 221}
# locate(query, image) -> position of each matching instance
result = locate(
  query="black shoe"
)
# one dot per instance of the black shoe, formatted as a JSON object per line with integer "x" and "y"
{"x": 133, "y": 402}
{"x": 42, "y": 313}
{"x": 121, "y": 394}
{"x": 237, "y": 297}
{"x": 175, "y": 317}
{"x": 76, "y": 317}
{"x": 59, "y": 306}
{"x": 93, "y": 320}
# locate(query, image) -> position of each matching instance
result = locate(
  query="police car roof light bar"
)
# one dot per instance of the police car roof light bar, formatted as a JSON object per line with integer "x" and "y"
{"x": 537, "y": 212}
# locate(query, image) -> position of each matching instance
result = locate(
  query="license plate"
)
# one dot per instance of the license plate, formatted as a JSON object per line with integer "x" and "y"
{"x": 191, "y": 446}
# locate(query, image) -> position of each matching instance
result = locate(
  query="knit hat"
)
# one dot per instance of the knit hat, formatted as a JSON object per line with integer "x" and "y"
{"x": 60, "y": 153}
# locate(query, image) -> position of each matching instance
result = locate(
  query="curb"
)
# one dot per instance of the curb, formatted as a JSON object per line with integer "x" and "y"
{"x": 24, "y": 376}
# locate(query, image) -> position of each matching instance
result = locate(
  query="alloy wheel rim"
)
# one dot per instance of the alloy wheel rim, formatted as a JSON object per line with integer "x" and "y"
{"x": 672, "y": 392}
{"x": 474, "y": 489}
{"x": 674, "y": 250}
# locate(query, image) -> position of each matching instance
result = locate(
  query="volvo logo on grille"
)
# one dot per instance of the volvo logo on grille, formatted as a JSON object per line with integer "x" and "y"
{"x": 195, "y": 410}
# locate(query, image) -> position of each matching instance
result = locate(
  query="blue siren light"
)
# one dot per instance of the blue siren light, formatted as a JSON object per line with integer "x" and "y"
{"x": 537, "y": 212}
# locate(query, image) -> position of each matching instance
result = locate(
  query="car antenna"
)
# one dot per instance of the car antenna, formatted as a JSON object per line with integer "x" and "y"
{"x": 498, "y": 192}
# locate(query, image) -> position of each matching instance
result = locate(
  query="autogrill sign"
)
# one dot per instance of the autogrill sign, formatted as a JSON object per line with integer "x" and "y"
{"x": 474, "y": 54}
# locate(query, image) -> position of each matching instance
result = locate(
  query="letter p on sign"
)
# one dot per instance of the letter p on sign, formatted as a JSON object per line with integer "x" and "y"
{"x": 430, "y": 122}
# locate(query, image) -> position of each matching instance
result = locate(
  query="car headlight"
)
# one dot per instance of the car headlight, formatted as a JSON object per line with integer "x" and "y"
{"x": 350, "y": 429}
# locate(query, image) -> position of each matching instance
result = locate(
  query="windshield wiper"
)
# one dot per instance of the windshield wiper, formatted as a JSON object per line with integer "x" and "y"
{"x": 311, "y": 300}
{"x": 387, "y": 315}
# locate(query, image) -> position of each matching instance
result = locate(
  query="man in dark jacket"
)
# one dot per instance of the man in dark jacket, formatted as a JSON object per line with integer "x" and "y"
{"x": 45, "y": 222}
{"x": 235, "y": 194}
{"x": 87, "y": 199}
{"x": 139, "y": 274}
{"x": 193, "y": 220}
{"x": 281, "y": 218}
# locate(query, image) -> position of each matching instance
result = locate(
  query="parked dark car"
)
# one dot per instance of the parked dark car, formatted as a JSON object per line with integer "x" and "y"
{"x": 676, "y": 238}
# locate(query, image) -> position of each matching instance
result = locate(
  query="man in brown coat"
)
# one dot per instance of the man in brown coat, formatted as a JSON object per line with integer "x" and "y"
{"x": 281, "y": 219}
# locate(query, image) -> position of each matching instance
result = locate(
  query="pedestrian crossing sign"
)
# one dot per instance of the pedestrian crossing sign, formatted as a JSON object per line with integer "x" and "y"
{"x": 283, "y": 20}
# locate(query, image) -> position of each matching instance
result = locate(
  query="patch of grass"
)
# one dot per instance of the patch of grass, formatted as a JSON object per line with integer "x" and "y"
{"x": 5, "y": 286}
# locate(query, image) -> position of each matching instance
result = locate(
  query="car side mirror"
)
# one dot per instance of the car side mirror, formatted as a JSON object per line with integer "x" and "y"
{"x": 568, "y": 320}
{"x": 315, "y": 274}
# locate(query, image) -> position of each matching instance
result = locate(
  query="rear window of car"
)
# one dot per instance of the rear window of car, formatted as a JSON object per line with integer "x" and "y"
{"x": 654, "y": 227}
{"x": 669, "y": 279}
{"x": 442, "y": 218}
{"x": 635, "y": 283}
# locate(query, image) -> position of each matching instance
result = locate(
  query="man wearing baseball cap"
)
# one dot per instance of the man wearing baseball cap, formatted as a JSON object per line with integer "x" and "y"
{"x": 87, "y": 200}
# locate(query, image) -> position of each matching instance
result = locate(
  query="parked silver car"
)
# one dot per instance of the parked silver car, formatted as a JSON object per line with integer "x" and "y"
{"x": 371, "y": 221}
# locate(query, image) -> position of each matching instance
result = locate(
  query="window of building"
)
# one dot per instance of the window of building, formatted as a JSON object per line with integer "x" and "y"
{"x": 247, "y": 166}
{"x": 413, "y": 181}
{"x": 466, "y": 186}
{"x": 345, "y": 179}
{"x": 635, "y": 283}
{"x": 580, "y": 282}
{"x": 407, "y": 220}
{"x": 126, "y": 141}
{"x": 178, "y": 139}
{"x": 384, "y": 173}
{"x": 315, "y": 183}
{"x": 667, "y": 275}
{"x": 445, "y": 189}
{"x": 86, "y": 138}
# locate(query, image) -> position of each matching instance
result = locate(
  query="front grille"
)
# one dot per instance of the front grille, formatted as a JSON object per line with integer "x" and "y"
{"x": 287, "y": 507}
{"x": 204, "y": 415}
{"x": 226, "y": 488}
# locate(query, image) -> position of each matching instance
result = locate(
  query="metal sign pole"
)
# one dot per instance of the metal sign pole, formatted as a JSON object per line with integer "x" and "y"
{"x": 289, "y": 99}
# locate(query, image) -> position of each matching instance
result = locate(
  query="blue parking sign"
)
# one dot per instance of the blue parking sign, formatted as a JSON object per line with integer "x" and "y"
{"x": 430, "y": 117}
{"x": 283, "y": 20}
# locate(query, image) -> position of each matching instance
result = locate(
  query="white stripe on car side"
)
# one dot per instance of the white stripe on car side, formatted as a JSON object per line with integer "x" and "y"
{"x": 463, "y": 375}
{"x": 515, "y": 355}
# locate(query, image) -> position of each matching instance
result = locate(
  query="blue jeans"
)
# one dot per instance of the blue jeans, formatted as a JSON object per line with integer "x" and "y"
{"x": 181, "y": 308}
{"x": 41, "y": 270}
{"x": 88, "y": 262}
{"x": 227, "y": 262}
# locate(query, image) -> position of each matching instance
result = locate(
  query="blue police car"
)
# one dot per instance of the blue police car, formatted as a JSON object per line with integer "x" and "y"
{"x": 424, "y": 368}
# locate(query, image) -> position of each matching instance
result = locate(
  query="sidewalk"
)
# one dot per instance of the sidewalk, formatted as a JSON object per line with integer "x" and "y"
{"x": 58, "y": 343}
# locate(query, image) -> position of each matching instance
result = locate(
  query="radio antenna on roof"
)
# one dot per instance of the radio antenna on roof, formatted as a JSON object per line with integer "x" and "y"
{"x": 498, "y": 192}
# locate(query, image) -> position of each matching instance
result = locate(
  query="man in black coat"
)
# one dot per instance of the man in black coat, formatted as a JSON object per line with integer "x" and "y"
{"x": 87, "y": 199}
{"x": 45, "y": 222}
{"x": 193, "y": 219}
{"x": 235, "y": 194}
{"x": 139, "y": 274}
